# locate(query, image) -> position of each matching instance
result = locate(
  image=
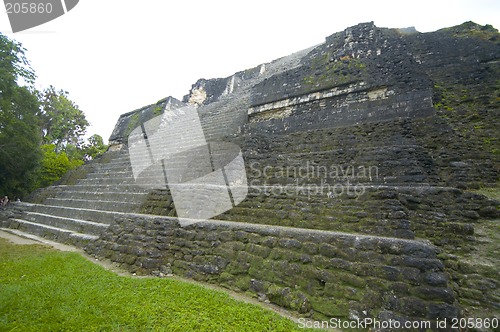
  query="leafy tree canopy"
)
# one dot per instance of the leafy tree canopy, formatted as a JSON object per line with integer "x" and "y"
{"x": 54, "y": 165}
{"x": 41, "y": 133}
{"x": 62, "y": 122}
{"x": 19, "y": 131}
{"x": 13, "y": 65}
{"x": 95, "y": 147}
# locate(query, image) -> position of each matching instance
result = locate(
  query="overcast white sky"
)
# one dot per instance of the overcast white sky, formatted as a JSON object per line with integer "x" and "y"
{"x": 114, "y": 56}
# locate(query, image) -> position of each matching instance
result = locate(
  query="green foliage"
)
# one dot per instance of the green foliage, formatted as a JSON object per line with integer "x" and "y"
{"x": 471, "y": 29}
{"x": 73, "y": 176}
{"x": 45, "y": 290}
{"x": 19, "y": 131}
{"x": 62, "y": 122}
{"x": 54, "y": 165}
{"x": 73, "y": 152}
{"x": 472, "y": 110}
{"x": 133, "y": 123}
{"x": 140, "y": 116}
{"x": 95, "y": 147}
{"x": 13, "y": 65}
{"x": 28, "y": 119}
{"x": 329, "y": 73}
{"x": 157, "y": 110}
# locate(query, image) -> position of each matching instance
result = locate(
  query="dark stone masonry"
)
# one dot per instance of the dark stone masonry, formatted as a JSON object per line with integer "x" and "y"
{"x": 367, "y": 160}
{"x": 333, "y": 274}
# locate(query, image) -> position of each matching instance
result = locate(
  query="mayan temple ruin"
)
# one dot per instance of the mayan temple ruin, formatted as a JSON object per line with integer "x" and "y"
{"x": 350, "y": 174}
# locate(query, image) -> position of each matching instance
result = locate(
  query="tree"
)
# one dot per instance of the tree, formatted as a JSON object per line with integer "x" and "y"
{"x": 13, "y": 66}
{"x": 20, "y": 153}
{"x": 29, "y": 119}
{"x": 54, "y": 165}
{"x": 95, "y": 147}
{"x": 62, "y": 122}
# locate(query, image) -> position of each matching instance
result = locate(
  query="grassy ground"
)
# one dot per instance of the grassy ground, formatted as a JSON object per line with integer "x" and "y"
{"x": 46, "y": 290}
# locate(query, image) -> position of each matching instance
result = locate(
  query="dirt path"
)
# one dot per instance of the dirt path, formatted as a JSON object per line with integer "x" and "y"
{"x": 27, "y": 239}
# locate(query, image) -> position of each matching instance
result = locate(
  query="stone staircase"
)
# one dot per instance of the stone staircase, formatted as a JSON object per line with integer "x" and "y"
{"x": 78, "y": 213}
{"x": 225, "y": 116}
{"x": 418, "y": 194}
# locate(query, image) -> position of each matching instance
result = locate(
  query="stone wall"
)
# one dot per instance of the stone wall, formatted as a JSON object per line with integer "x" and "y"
{"x": 452, "y": 220}
{"x": 423, "y": 150}
{"x": 309, "y": 112}
{"x": 420, "y": 108}
{"x": 319, "y": 274}
{"x": 131, "y": 120}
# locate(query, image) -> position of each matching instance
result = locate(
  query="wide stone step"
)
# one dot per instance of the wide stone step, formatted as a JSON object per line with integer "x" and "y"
{"x": 333, "y": 184}
{"x": 128, "y": 177}
{"x": 113, "y": 167}
{"x": 53, "y": 233}
{"x": 93, "y": 204}
{"x": 98, "y": 216}
{"x": 179, "y": 160}
{"x": 147, "y": 180}
{"x": 260, "y": 213}
{"x": 336, "y": 158}
{"x": 126, "y": 197}
{"x": 103, "y": 188}
{"x": 122, "y": 165}
{"x": 181, "y": 145}
{"x": 107, "y": 181}
{"x": 118, "y": 173}
{"x": 77, "y": 225}
{"x": 144, "y": 182}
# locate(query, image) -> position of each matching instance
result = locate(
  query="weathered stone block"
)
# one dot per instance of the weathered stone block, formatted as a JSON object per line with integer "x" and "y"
{"x": 442, "y": 310}
{"x": 241, "y": 236}
{"x": 148, "y": 263}
{"x": 429, "y": 293}
{"x": 290, "y": 243}
{"x": 226, "y": 236}
{"x": 436, "y": 279}
{"x": 270, "y": 241}
{"x": 258, "y": 250}
{"x": 284, "y": 254}
{"x": 423, "y": 264}
{"x": 328, "y": 250}
{"x": 310, "y": 248}
{"x": 412, "y": 307}
{"x": 129, "y": 259}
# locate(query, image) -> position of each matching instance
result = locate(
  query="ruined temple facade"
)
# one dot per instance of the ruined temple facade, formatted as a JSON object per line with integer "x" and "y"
{"x": 362, "y": 155}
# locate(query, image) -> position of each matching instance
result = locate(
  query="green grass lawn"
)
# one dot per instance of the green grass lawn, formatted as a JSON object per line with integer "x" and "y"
{"x": 42, "y": 289}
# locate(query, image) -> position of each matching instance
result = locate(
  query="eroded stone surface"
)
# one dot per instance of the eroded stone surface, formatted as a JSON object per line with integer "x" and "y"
{"x": 364, "y": 146}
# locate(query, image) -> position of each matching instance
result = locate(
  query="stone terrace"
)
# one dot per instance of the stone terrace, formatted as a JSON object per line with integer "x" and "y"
{"x": 358, "y": 203}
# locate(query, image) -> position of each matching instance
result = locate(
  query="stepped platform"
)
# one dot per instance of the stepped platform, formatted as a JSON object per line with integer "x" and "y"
{"x": 359, "y": 181}
{"x": 79, "y": 213}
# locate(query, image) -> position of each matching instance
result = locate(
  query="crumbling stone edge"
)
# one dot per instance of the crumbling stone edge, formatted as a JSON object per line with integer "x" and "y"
{"x": 319, "y": 274}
